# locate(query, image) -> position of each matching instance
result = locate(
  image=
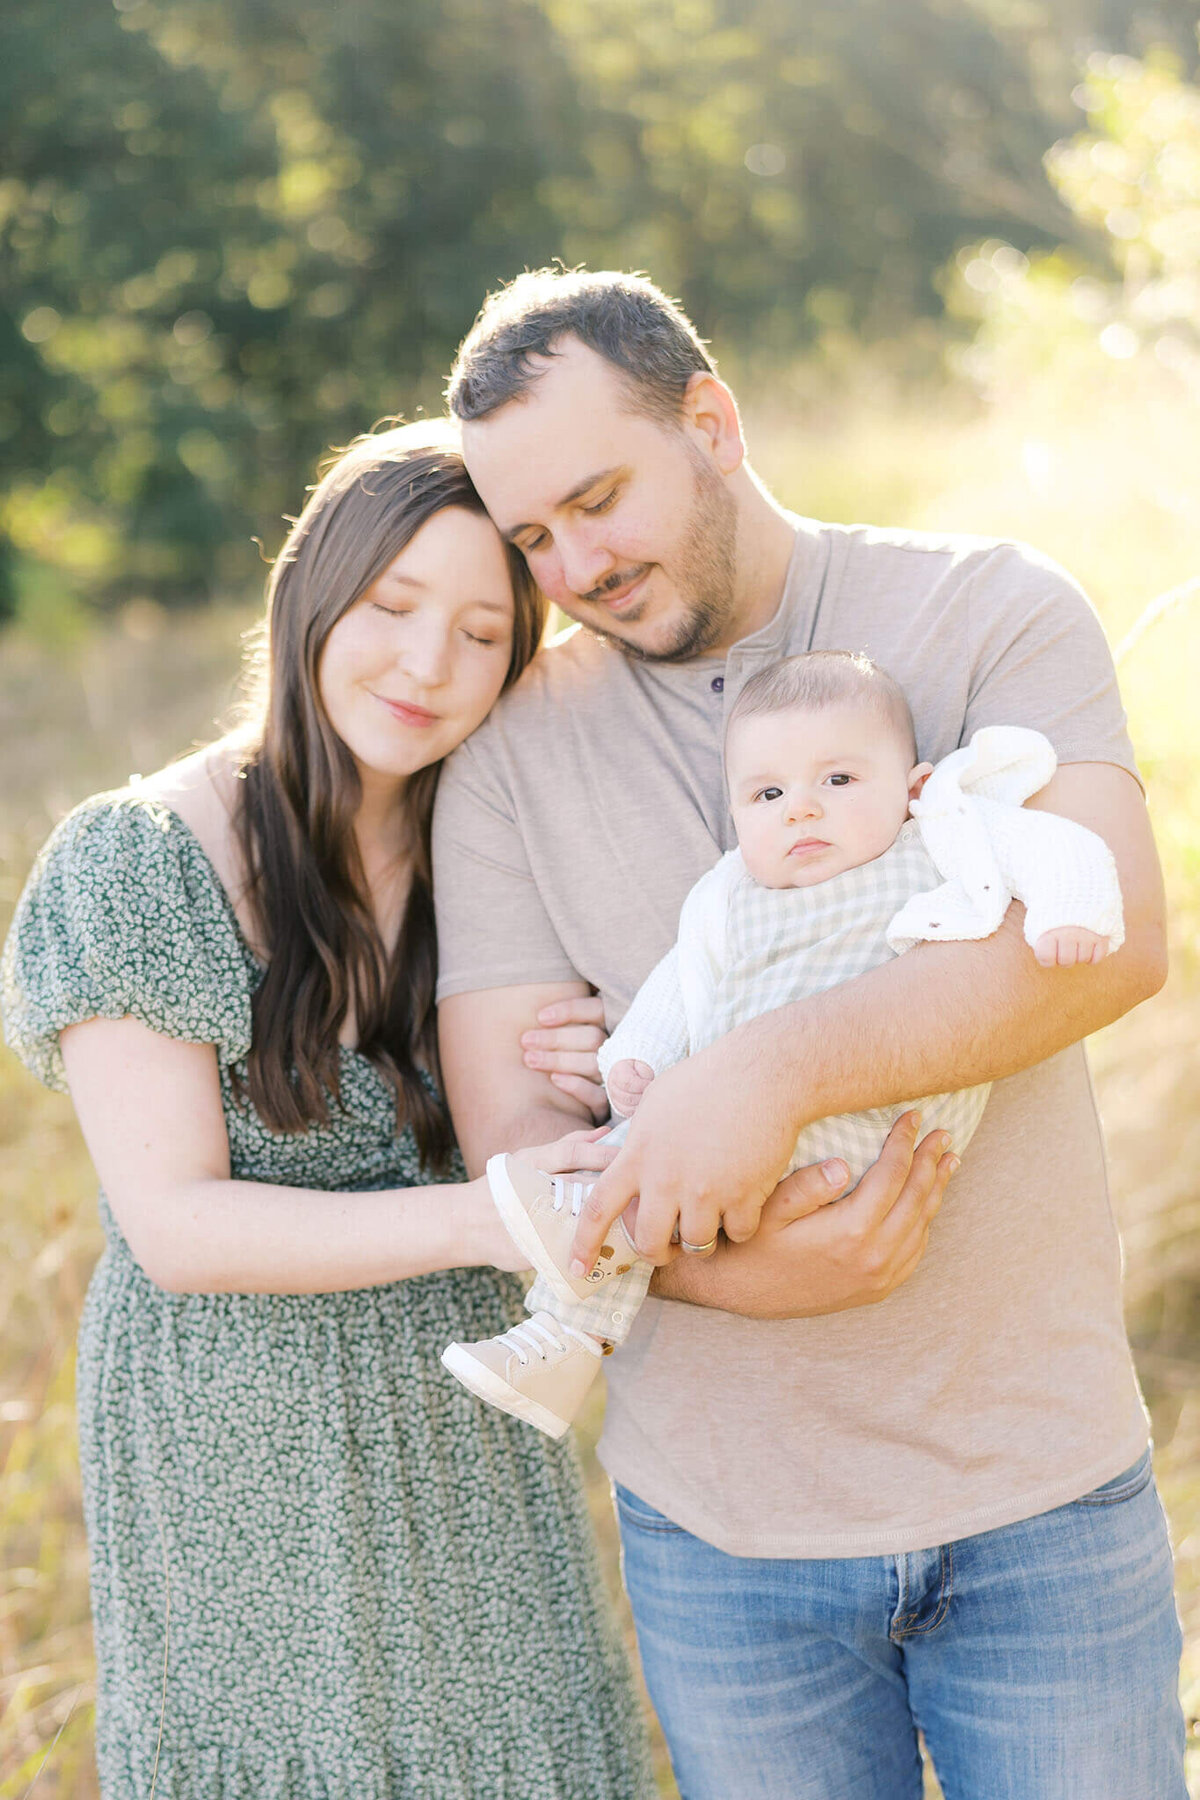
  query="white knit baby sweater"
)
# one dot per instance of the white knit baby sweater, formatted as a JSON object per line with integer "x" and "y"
{"x": 990, "y": 849}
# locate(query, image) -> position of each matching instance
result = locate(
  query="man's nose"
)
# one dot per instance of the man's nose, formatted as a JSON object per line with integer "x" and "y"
{"x": 584, "y": 561}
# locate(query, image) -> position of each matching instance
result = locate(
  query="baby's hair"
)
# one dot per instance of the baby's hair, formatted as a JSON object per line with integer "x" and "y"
{"x": 817, "y": 679}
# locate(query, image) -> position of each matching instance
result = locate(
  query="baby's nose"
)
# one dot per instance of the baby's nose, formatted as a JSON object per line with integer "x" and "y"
{"x": 803, "y": 805}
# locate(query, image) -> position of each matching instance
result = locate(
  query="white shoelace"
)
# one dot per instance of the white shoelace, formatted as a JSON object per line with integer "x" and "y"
{"x": 569, "y": 1191}
{"x": 531, "y": 1338}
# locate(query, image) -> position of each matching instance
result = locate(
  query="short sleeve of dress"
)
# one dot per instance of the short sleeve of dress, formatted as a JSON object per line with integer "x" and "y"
{"x": 123, "y": 915}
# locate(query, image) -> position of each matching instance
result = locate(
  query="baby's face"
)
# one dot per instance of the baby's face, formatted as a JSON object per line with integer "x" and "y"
{"x": 814, "y": 793}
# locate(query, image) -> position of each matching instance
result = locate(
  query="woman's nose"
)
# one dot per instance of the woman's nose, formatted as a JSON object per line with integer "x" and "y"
{"x": 426, "y": 655}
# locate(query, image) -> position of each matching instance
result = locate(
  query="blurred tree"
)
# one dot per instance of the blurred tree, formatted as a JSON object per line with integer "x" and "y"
{"x": 1130, "y": 309}
{"x": 234, "y": 231}
{"x": 231, "y": 234}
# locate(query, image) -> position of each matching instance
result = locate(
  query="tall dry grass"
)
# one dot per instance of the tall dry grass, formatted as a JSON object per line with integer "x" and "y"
{"x": 1081, "y": 477}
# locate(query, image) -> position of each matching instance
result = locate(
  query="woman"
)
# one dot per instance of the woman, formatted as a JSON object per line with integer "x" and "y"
{"x": 308, "y": 1579}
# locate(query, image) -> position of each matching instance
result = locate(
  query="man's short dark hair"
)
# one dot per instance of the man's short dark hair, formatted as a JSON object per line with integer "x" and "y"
{"x": 623, "y": 318}
{"x": 817, "y": 679}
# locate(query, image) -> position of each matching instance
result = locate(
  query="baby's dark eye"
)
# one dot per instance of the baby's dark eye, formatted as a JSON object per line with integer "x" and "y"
{"x": 769, "y": 793}
{"x": 840, "y": 780}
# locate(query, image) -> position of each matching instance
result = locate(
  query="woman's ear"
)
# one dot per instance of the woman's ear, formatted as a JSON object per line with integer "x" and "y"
{"x": 917, "y": 778}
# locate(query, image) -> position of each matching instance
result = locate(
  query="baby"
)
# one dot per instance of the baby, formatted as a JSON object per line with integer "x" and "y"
{"x": 849, "y": 851}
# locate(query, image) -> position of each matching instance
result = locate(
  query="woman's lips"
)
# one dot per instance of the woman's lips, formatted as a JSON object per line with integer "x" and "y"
{"x": 407, "y": 714}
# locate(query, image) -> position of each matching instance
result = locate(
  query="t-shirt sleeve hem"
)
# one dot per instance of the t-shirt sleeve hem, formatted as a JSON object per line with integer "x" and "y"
{"x": 1086, "y": 753}
{"x": 474, "y": 982}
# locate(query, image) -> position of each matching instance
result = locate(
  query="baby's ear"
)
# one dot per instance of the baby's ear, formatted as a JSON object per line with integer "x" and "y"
{"x": 917, "y": 778}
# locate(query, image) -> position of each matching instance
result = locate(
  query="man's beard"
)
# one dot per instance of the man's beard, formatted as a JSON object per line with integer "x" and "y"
{"x": 705, "y": 578}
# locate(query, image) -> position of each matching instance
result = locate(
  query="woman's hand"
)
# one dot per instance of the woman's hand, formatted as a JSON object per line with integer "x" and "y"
{"x": 577, "y": 1150}
{"x": 564, "y": 1044}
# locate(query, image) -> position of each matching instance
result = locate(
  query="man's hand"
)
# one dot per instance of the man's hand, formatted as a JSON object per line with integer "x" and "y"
{"x": 714, "y": 1098}
{"x": 810, "y": 1257}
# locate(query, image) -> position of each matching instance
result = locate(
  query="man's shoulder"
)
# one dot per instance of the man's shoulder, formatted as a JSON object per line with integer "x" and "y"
{"x": 928, "y": 552}
{"x": 888, "y": 584}
{"x": 567, "y": 672}
{"x": 572, "y": 664}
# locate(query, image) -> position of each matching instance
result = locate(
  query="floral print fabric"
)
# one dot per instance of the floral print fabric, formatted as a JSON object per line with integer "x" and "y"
{"x": 360, "y": 1583}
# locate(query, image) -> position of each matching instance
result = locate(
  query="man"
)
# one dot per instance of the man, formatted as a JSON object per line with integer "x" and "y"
{"x": 840, "y": 1521}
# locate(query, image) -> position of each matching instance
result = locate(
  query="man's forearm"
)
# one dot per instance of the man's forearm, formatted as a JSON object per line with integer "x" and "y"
{"x": 948, "y": 1016}
{"x": 944, "y": 1017}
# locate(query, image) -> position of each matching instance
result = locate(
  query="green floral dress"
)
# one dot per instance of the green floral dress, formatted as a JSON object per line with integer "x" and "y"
{"x": 362, "y": 1584}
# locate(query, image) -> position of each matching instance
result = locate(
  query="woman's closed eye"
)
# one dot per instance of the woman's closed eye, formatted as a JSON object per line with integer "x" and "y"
{"x": 602, "y": 505}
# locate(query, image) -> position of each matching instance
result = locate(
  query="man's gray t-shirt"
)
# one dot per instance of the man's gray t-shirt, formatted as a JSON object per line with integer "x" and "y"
{"x": 997, "y": 1382}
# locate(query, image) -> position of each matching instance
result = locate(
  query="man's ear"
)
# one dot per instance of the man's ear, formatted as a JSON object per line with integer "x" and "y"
{"x": 917, "y": 778}
{"x": 711, "y": 411}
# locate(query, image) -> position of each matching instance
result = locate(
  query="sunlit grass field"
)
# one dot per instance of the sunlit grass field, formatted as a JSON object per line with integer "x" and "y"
{"x": 81, "y": 708}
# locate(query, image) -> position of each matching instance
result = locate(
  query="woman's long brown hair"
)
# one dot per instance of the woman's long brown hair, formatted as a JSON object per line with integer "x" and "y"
{"x": 300, "y": 791}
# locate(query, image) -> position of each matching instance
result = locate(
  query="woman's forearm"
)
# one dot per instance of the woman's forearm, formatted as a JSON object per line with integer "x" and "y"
{"x": 252, "y": 1237}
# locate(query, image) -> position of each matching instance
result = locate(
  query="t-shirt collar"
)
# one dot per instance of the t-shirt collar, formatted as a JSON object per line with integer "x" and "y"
{"x": 800, "y": 597}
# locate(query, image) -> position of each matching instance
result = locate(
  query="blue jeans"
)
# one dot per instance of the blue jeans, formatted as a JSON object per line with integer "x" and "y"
{"x": 1040, "y": 1660}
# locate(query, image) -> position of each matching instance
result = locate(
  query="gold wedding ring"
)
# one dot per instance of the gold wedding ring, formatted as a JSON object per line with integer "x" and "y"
{"x": 699, "y": 1249}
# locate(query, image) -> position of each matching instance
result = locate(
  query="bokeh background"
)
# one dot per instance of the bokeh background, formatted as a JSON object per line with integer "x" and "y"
{"x": 947, "y": 251}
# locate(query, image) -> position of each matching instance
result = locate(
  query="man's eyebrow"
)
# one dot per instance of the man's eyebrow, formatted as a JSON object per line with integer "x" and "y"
{"x": 576, "y": 493}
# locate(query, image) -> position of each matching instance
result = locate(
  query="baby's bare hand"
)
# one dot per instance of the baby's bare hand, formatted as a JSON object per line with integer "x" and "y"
{"x": 1068, "y": 946}
{"x": 627, "y": 1082}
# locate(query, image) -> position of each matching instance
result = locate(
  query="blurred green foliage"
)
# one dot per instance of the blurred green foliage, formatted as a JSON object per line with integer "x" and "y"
{"x": 235, "y": 231}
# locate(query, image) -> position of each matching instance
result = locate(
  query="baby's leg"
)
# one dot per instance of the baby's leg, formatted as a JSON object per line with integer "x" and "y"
{"x": 540, "y": 1371}
{"x": 606, "y": 1316}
